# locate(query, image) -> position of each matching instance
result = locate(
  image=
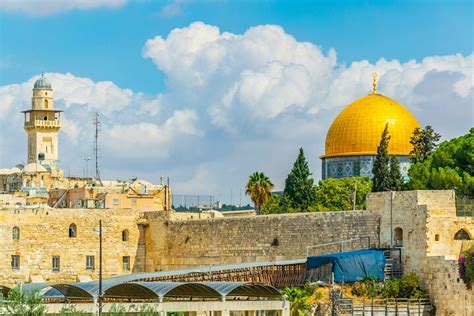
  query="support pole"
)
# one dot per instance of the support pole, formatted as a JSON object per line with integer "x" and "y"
{"x": 100, "y": 267}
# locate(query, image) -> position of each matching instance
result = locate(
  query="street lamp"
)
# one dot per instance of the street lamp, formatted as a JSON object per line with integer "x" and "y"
{"x": 86, "y": 159}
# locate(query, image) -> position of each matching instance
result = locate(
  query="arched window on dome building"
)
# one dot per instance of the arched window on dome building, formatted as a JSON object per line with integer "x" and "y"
{"x": 72, "y": 230}
{"x": 45, "y": 104}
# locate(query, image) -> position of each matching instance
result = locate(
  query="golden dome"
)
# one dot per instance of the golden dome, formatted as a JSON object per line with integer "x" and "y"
{"x": 356, "y": 131}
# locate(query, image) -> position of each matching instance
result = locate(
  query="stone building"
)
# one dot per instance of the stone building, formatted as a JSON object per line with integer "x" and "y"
{"x": 41, "y": 180}
{"x": 44, "y": 244}
{"x": 354, "y": 135}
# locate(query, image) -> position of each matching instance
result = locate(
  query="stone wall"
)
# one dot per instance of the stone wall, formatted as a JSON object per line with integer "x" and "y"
{"x": 44, "y": 233}
{"x": 428, "y": 222}
{"x": 175, "y": 244}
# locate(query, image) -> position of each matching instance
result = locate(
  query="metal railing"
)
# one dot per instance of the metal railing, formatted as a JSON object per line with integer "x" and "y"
{"x": 340, "y": 243}
{"x": 398, "y": 306}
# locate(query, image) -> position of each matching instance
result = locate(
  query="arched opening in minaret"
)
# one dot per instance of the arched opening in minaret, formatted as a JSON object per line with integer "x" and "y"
{"x": 45, "y": 104}
{"x": 45, "y": 118}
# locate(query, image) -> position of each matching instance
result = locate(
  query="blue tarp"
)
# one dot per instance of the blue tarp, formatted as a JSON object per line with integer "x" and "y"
{"x": 351, "y": 266}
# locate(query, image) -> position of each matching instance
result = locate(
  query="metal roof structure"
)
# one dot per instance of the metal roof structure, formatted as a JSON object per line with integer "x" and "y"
{"x": 205, "y": 290}
{"x": 155, "y": 290}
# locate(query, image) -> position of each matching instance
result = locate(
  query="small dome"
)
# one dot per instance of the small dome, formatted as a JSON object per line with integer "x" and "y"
{"x": 357, "y": 129}
{"x": 34, "y": 167}
{"x": 42, "y": 83}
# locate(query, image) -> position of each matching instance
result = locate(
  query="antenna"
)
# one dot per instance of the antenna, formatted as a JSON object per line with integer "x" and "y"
{"x": 97, "y": 125}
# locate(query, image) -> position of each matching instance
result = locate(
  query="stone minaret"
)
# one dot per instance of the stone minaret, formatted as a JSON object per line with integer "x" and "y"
{"x": 42, "y": 124}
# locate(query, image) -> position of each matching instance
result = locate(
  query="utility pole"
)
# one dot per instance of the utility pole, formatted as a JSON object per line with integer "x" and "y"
{"x": 96, "y": 146}
{"x": 100, "y": 267}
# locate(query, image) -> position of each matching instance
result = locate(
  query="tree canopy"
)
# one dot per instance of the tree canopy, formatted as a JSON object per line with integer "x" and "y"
{"x": 259, "y": 189}
{"x": 450, "y": 166}
{"x": 338, "y": 194}
{"x": 299, "y": 187}
{"x": 424, "y": 142}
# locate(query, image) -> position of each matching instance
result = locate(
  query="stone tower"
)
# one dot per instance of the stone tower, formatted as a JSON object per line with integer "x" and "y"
{"x": 42, "y": 124}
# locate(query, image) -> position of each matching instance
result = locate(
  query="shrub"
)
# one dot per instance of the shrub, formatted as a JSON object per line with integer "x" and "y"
{"x": 21, "y": 302}
{"x": 466, "y": 267}
{"x": 408, "y": 286}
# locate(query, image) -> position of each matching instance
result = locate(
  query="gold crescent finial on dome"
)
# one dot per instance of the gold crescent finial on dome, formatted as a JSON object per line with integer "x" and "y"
{"x": 374, "y": 82}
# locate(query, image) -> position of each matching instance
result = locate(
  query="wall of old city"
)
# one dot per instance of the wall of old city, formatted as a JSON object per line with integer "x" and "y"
{"x": 174, "y": 243}
{"x": 429, "y": 223}
{"x": 44, "y": 233}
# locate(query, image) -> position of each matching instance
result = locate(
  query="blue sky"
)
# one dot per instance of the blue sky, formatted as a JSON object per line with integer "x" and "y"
{"x": 105, "y": 44}
{"x": 207, "y": 92}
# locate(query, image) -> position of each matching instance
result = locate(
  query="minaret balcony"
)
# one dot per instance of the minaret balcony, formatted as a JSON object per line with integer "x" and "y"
{"x": 43, "y": 123}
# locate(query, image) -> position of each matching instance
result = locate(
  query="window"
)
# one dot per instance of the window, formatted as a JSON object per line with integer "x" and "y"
{"x": 462, "y": 235}
{"x": 126, "y": 263}
{"x": 89, "y": 262}
{"x": 115, "y": 201}
{"x": 45, "y": 118}
{"x": 134, "y": 202}
{"x": 15, "y": 262}
{"x": 56, "y": 263}
{"x": 437, "y": 237}
{"x": 125, "y": 235}
{"x": 398, "y": 237}
{"x": 45, "y": 104}
{"x": 72, "y": 230}
{"x": 16, "y": 233}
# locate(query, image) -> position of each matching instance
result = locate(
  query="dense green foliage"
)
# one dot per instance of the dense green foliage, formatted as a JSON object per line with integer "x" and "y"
{"x": 259, "y": 189}
{"x": 450, "y": 166}
{"x": 299, "y": 187}
{"x": 381, "y": 170}
{"x": 338, "y": 194}
{"x": 331, "y": 195}
{"x": 24, "y": 303}
{"x": 298, "y": 299}
{"x": 466, "y": 267}
{"x": 424, "y": 142}
{"x": 301, "y": 298}
{"x": 408, "y": 286}
{"x": 395, "y": 176}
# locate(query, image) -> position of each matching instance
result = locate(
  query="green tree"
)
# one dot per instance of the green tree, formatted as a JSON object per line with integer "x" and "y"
{"x": 338, "y": 194}
{"x": 21, "y": 302}
{"x": 381, "y": 170}
{"x": 299, "y": 300}
{"x": 396, "y": 179}
{"x": 450, "y": 166}
{"x": 299, "y": 187}
{"x": 278, "y": 204}
{"x": 424, "y": 142}
{"x": 259, "y": 189}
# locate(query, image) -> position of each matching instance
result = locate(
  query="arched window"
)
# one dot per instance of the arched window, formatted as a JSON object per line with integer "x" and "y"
{"x": 45, "y": 104}
{"x": 16, "y": 233}
{"x": 45, "y": 118}
{"x": 462, "y": 235}
{"x": 72, "y": 230}
{"x": 125, "y": 235}
{"x": 398, "y": 237}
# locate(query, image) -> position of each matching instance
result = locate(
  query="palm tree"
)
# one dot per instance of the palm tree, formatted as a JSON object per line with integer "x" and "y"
{"x": 259, "y": 189}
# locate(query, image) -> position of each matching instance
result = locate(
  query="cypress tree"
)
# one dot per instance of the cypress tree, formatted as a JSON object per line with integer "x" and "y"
{"x": 381, "y": 171}
{"x": 396, "y": 178}
{"x": 299, "y": 187}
